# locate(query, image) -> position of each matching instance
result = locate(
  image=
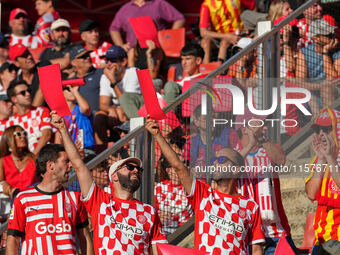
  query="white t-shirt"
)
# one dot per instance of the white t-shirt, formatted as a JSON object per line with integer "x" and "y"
{"x": 129, "y": 83}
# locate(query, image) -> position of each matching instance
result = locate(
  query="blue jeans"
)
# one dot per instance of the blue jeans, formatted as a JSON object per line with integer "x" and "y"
{"x": 271, "y": 243}
{"x": 316, "y": 249}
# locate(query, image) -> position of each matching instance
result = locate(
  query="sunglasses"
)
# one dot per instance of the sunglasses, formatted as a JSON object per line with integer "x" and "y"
{"x": 131, "y": 167}
{"x": 222, "y": 160}
{"x": 23, "y": 92}
{"x": 67, "y": 88}
{"x": 25, "y": 55}
{"x": 326, "y": 129}
{"x": 330, "y": 36}
{"x": 20, "y": 133}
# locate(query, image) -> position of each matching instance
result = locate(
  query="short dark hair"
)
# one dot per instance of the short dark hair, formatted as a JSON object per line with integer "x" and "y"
{"x": 12, "y": 85}
{"x": 192, "y": 49}
{"x": 50, "y": 152}
{"x": 54, "y": 2}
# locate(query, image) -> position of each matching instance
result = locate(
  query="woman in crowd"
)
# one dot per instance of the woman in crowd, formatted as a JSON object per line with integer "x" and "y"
{"x": 17, "y": 163}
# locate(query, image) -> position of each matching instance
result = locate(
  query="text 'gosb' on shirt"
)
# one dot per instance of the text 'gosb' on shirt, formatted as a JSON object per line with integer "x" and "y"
{"x": 224, "y": 223}
{"x": 47, "y": 222}
{"x": 122, "y": 226}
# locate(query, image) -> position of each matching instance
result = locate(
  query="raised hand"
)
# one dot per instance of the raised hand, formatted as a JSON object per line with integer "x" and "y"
{"x": 152, "y": 126}
{"x": 57, "y": 121}
{"x": 318, "y": 147}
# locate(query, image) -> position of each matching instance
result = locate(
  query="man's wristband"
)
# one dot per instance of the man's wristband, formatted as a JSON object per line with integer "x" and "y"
{"x": 114, "y": 84}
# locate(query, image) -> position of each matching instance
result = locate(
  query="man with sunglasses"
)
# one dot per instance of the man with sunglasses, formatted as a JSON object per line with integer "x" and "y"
{"x": 120, "y": 222}
{"x": 225, "y": 222}
{"x": 82, "y": 64}
{"x": 35, "y": 120}
{"x": 320, "y": 63}
{"x": 324, "y": 181}
{"x": 23, "y": 59}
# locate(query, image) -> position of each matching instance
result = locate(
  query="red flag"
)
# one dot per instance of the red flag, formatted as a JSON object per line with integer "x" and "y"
{"x": 50, "y": 84}
{"x": 283, "y": 247}
{"x": 149, "y": 94}
{"x": 145, "y": 29}
{"x": 167, "y": 249}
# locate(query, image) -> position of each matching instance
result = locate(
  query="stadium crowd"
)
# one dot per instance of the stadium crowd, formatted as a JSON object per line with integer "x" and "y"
{"x": 235, "y": 213}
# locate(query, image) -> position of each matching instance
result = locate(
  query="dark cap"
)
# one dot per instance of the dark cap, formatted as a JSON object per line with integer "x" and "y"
{"x": 115, "y": 53}
{"x": 87, "y": 25}
{"x": 8, "y": 66}
{"x": 4, "y": 97}
{"x": 77, "y": 51}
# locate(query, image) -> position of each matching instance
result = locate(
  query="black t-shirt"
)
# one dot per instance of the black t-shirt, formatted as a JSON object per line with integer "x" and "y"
{"x": 52, "y": 53}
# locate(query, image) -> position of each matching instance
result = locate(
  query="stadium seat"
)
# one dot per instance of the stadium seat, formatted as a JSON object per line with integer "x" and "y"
{"x": 172, "y": 41}
{"x": 207, "y": 68}
{"x": 309, "y": 235}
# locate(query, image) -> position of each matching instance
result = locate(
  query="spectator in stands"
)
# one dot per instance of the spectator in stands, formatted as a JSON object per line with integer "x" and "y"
{"x": 18, "y": 23}
{"x": 323, "y": 183}
{"x": 89, "y": 33}
{"x": 61, "y": 36}
{"x": 213, "y": 206}
{"x": 221, "y": 138}
{"x": 5, "y": 112}
{"x": 220, "y": 21}
{"x": 312, "y": 13}
{"x": 17, "y": 163}
{"x": 120, "y": 85}
{"x": 279, "y": 8}
{"x": 59, "y": 213}
{"x": 136, "y": 225}
{"x": 46, "y": 11}
{"x": 8, "y": 72}
{"x": 79, "y": 122}
{"x": 160, "y": 11}
{"x": 35, "y": 120}
{"x": 320, "y": 62}
{"x": 192, "y": 56}
{"x": 150, "y": 58}
{"x": 81, "y": 62}
{"x": 259, "y": 152}
{"x": 170, "y": 199}
{"x": 23, "y": 59}
{"x": 3, "y": 49}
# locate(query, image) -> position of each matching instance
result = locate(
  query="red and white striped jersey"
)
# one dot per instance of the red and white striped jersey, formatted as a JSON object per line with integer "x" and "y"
{"x": 266, "y": 192}
{"x": 171, "y": 199}
{"x": 34, "y": 122}
{"x": 99, "y": 52}
{"x": 43, "y": 26}
{"x": 122, "y": 226}
{"x": 305, "y": 38}
{"x": 47, "y": 222}
{"x": 224, "y": 224}
{"x": 3, "y": 125}
{"x": 29, "y": 41}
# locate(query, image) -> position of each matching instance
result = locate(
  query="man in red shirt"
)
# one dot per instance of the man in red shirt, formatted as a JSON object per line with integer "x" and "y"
{"x": 225, "y": 222}
{"x": 47, "y": 216}
{"x": 120, "y": 223}
{"x": 47, "y": 13}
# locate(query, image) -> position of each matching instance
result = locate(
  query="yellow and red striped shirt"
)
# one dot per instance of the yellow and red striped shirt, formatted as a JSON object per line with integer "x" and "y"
{"x": 224, "y": 15}
{"x": 327, "y": 216}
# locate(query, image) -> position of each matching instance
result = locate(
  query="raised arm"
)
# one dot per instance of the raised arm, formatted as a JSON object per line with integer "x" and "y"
{"x": 83, "y": 173}
{"x": 182, "y": 172}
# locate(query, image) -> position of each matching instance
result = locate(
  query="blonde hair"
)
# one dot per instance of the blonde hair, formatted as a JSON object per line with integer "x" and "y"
{"x": 275, "y": 10}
